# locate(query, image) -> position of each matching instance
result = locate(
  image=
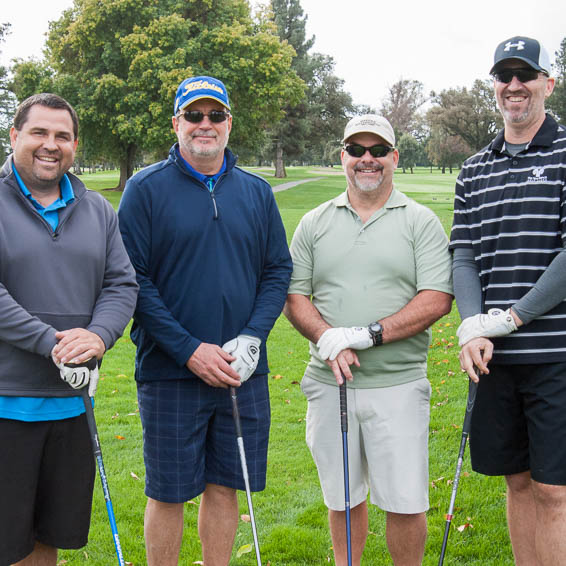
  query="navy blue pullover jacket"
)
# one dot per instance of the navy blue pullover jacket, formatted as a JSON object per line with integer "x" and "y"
{"x": 210, "y": 265}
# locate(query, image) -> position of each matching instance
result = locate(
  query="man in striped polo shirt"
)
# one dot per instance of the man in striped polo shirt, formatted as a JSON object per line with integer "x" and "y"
{"x": 510, "y": 286}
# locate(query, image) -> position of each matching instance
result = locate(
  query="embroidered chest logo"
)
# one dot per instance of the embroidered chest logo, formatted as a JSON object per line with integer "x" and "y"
{"x": 537, "y": 176}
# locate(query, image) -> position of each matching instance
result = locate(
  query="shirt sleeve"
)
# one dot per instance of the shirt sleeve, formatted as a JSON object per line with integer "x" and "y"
{"x": 117, "y": 299}
{"x": 274, "y": 282}
{"x": 432, "y": 258}
{"x": 151, "y": 313}
{"x": 302, "y": 254}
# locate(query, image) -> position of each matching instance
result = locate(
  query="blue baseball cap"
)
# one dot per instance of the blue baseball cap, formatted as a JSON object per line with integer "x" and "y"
{"x": 197, "y": 88}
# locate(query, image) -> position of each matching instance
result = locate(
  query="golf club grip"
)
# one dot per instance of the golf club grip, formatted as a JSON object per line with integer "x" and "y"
{"x": 343, "y": 406}
{"x": 472, "y": 392}
{"x": 236, "y": 412}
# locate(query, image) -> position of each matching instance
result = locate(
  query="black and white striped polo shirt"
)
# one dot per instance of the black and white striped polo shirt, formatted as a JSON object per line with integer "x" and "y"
{"x": 512, "y": 211}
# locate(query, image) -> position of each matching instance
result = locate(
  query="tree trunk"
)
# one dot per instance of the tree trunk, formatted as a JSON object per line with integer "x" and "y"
{"x": 412, "y": 171}
{"x": 77, "y": 167}
{"x": 126, "y": 166}
{"x": 443, "y": 169}
{"x": 280, "y": 172}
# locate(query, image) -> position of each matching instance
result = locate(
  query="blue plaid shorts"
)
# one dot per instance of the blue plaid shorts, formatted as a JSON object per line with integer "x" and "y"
{"x": 189, "y": 436}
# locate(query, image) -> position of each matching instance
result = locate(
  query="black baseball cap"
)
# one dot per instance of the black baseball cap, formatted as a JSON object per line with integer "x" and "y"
{"x": 525, "y": 49}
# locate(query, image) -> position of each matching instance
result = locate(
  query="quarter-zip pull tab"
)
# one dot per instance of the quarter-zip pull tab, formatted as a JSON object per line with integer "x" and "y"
{"x": 215, "y": 217}
{"x": 210, "y": 184}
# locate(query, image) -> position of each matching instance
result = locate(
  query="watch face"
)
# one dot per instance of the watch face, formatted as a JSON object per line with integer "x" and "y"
{"x": 375, "y": 327}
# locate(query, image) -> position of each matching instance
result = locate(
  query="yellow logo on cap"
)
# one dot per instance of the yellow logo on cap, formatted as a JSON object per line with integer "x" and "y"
{"x": 197, "y": 85}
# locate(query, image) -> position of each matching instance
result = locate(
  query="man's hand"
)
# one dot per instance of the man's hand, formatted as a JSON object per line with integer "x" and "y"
{"x": 495, "y": 323}
{"x": 79, "y": 375}
{"x": 246, "y": 350}
{"x": 334, "y": 340}
{"x": 477, "y": 352}
{"x": 77, "y": 345}
{"x": 341, "y": 365}
{"x": 212, "y": 364}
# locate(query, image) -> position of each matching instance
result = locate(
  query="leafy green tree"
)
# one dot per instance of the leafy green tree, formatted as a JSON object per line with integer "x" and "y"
{"x": 322, "y": 113}
{"x": 409, "y": 152}
{"x": 470, "y": 114}
{"x": 446, "y": 150}
{"x": 7, "y": 100}
{"x": 122, "y": 60}
{"x": 557, "y": 101}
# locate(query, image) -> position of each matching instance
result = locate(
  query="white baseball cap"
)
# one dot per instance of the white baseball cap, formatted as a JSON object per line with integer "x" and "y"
{"x": 371, "y": 124}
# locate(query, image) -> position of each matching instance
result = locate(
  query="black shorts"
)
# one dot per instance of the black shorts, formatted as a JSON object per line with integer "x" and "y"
{"x": 519, "y": 422}
{"x": 46, "y": 481}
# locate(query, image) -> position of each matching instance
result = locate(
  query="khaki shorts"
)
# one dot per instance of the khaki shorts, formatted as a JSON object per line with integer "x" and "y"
{"x": 387, "y": 444}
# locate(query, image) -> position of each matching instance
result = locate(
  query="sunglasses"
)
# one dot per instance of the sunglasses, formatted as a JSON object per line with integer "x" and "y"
{"x": 523, "y": 75}
{"x": 196, "y": 116}
{"x": 377, "y": 150}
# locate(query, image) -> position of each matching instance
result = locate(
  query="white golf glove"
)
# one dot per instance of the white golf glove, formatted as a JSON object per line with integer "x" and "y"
{"x": 79, "y": 375}
{"x": 334, "y": 340}
{"x": 246, "y": 350}
{"x": 496, "y": 322}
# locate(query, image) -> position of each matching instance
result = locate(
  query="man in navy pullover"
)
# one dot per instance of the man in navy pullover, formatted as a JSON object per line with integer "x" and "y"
{"x": 210, "y": 252}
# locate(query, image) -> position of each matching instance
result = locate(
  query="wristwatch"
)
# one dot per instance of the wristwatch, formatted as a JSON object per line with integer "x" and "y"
{"x": 376, "y": 332}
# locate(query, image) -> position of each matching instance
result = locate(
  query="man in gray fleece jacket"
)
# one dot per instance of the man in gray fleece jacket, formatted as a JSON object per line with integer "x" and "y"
{"x": 67, "y": 291}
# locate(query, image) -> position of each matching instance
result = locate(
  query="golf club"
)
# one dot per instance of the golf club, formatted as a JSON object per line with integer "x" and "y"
{"x": 472, "y": 390}
{"x": 91, "y": 364}
{"x": 344, "y": 427}
{"x": 240, "y": 439}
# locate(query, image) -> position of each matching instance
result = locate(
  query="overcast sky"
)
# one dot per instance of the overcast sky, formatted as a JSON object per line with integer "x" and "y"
{"x": 442, "y": 43}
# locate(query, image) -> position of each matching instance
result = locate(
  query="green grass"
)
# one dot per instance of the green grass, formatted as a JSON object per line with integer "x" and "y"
{"x": 290, "y": 513}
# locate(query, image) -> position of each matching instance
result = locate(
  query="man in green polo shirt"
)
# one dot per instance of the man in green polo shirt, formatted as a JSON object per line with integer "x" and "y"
{"x": 371, "y": 274}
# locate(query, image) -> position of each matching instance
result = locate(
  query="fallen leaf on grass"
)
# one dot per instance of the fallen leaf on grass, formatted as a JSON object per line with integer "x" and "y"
{"x": 450, "y": 372}
{"x": 295, "y": 382}
{"x": 278, "y": 376}
{"x": 245, "y": 518}
{"x": 465, "y": 526}
{"x": 192, "y": 502}
{"x": 119, "y": 437}
{"x": 115, "y": 416}
{"x": 134, "y": 476}
{"x": 62, "y": 562}
{"x": 114, "y": 391}
{"x": 243, "y": 550}
{"x": 288, "y": 401}
{"x": 199, "y": 562}
{"x": 121, "y": 375}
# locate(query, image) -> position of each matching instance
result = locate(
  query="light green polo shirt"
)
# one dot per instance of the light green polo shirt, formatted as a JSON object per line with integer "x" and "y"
{"x": 357, "y": 273}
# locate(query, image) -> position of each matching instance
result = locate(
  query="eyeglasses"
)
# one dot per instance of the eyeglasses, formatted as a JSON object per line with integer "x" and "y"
{"x": 523, "y": 75}
{"x": 196, "y": 116}
{"x": 377, "y": 150}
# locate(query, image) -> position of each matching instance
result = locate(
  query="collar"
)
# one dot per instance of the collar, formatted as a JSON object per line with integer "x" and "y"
{"x": 543, "y": 138}
{"x": 67, "y": 194}
{"x": 396, "y": 199}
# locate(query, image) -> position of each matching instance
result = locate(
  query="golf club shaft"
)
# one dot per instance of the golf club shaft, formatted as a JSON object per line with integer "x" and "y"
{"x": 102, "y": 473}
{"x": 240, "y": 440}
{"x": 344, "y": 427}
{"x": 472, "y": 390}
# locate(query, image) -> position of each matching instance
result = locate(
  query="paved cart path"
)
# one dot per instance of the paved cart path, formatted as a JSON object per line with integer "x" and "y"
{"x": 290, "y": 184}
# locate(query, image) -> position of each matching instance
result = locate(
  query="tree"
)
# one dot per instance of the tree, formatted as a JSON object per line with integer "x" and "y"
{"x": 445, "y": 150}
{"x": 557, "y": 101}
{"x": 122, "y": 60}
{"x": 7, "y": 100}
{"x": 409, "y": 152}
{"x": 469, "y": 114}
{"x": 401, "y": 106}
{"x": 321, "y": 115}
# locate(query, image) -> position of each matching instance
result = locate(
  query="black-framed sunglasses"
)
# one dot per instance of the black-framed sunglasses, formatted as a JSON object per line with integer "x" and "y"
{"x": 377, "y": 150}
{"x": 196, "y": 116}
{"x": 523, "y": 75}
